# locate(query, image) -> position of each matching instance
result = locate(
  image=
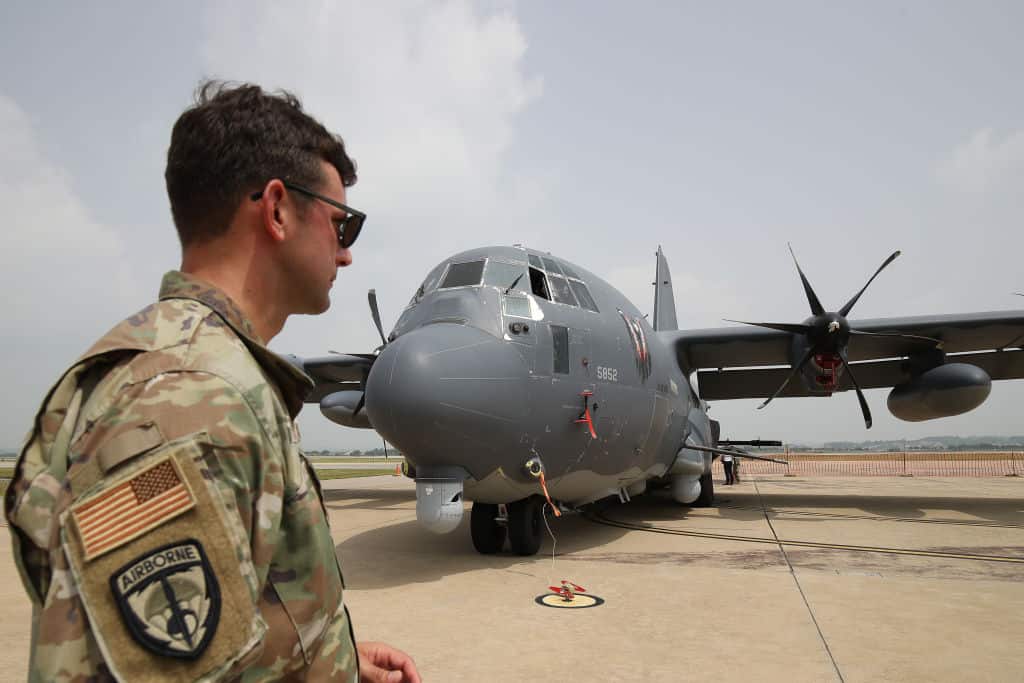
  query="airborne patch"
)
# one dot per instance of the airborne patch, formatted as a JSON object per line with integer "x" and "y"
{"x": 169, "y": 599}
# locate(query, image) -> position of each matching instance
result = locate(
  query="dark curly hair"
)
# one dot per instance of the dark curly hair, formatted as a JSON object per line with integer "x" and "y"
{"x": 233, "y": 140}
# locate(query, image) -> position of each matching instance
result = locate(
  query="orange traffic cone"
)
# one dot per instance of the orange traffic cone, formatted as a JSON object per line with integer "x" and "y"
{"x": 398, "y": 471}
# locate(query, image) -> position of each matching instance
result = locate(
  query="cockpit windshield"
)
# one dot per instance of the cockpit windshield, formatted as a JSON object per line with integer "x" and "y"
{"x": 583, "y": 294}
{"x": 560, "y": 289}
{"x": 556, "y": 281}
{"x": 506, "y": 276}
{"x": 465, "y": 274}
{"x": 551, "y": 266}
{"x": 429, "y": 284}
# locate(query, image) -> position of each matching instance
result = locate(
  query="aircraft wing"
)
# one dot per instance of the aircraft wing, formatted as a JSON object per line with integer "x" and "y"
{"x": 336, "y": 372}
{"x": 729, "y": 360}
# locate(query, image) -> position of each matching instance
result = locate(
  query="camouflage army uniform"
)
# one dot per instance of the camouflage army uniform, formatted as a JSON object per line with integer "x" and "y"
{"x": 165, "y": 524}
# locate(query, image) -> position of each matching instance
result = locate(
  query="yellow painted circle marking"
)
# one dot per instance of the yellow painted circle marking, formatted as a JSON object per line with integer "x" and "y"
{"x": 578, "y": 601}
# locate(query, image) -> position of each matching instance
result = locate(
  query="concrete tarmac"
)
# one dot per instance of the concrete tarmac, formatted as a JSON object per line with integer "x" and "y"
{"x": 787, "y": 579}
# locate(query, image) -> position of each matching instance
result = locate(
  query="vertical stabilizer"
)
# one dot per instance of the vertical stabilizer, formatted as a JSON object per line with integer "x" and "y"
{"x": 664, "y": 300}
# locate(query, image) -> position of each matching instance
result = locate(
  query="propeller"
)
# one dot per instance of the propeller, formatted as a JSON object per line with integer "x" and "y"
{"x": 864, "y": 410}
{"x": 828, "y": 334}
{"x": 792, "y": 373}
{"x": 371, "y": 298}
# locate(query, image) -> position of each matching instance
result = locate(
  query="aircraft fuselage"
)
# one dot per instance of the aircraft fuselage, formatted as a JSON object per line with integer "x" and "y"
{"x": 505, "y": 355}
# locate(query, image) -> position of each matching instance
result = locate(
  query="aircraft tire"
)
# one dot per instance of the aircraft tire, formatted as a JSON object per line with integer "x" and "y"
{"x": 525, "y": 525}
{"x": 707, "y": 491}
{"x": 488, "y": 535}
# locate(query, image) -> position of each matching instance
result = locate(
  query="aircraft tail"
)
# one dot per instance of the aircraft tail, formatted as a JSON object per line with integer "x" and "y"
{"x": 664, "y": 300}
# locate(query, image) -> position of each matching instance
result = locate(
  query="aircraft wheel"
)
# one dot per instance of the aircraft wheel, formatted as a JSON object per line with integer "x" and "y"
{"x": 525, "y": 525}
{"x": 488, "y": 535}
{"x": 707, "y": 491}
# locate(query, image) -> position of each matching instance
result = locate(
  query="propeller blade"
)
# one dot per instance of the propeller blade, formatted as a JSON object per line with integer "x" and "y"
{"x": 371, "y": 296}
{"x": 812, "y": 298}
{"x": 793, "y": 373}
{"x": 865, "y": 411}
{"x": 781, "y": 327}
{"x": 900, "y": 335}
{"x": 849, "y": 304}
{"x": 360, "y": 404}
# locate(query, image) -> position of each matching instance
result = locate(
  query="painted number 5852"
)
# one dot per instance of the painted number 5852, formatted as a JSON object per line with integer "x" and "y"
{"x": 608, "y": 374}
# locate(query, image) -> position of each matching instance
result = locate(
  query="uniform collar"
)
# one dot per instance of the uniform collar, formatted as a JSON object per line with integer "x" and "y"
{"x": 178, "y": 285}
{"x": 294, "y": 384}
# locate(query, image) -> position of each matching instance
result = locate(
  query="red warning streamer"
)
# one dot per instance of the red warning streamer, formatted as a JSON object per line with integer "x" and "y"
{"x": 544, "y": 487}
{"x": 585, "y": 415}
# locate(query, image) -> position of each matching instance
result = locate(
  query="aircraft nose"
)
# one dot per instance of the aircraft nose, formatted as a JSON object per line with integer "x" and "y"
{"x": 445, "y": 391}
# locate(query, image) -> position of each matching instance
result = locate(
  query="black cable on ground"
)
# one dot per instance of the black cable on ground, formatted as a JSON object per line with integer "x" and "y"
{"x": 796, "y": 580}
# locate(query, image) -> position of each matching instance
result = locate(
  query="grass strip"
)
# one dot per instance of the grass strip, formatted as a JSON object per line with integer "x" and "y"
{"x": 349, "y": 474}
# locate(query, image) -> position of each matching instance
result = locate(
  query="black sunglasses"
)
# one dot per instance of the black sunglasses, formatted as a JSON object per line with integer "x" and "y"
{"x": 349, "y": 227}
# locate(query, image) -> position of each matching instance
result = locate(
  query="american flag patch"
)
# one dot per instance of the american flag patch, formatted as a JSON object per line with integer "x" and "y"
{"x": 146, "y": 500}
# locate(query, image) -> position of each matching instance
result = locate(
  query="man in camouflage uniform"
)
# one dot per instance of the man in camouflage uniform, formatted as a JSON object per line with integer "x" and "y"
{"x": 165, "y": 524}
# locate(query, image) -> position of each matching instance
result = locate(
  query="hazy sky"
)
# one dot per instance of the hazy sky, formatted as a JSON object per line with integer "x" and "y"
{"x": 594, "y": 130}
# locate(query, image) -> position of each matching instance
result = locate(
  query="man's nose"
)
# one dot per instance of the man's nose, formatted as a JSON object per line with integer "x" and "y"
{"x": 343, "y": 257}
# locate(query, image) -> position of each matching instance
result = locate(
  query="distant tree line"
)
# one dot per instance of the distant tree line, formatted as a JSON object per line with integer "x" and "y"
{"x": 356, "y": 453}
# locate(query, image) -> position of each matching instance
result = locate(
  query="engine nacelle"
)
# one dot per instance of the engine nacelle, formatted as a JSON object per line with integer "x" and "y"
{"x": 340, "y": 407}
{"x": 946, "y": 390}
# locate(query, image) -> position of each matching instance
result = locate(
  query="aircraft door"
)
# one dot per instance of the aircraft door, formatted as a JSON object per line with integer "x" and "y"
{"x": 560, "y": 352}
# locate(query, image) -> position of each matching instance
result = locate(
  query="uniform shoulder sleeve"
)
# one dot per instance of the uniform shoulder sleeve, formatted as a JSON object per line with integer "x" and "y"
{"x": 245, "y": 455}
{"x": 174, "y": 488}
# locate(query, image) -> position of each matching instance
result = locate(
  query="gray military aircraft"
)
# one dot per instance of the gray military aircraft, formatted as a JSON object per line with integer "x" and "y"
{"x": 514, "y": 379}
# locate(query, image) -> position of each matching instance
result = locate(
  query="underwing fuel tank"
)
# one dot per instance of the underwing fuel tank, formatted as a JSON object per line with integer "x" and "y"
{"x": 946, "y": 390}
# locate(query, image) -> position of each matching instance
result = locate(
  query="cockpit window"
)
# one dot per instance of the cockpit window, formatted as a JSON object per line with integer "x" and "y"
{"x": 429, "y": 284}
{"x": 506, "y": 276}
{"x": 555, "y": 286}
{"x": 464, "y": 274}
{"x": 569, "y": 272}
{"x": 551, "y": 266}
{"x": 538, "y": 285}
{"x": 583, "y": 294}
{"x": 518, "y": 306}
{"x": 560, "y": 290}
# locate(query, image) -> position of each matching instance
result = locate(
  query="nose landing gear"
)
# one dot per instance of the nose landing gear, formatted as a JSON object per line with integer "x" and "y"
{"x": 523, "y": 524}
{"x": 487, "y": 528}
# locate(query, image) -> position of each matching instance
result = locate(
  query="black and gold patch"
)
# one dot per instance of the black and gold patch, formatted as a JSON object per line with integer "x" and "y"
{"x": 170, "y": 599}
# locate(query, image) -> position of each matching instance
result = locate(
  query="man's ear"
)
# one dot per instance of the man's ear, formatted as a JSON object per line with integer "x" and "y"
{"x": 276, "y": 210}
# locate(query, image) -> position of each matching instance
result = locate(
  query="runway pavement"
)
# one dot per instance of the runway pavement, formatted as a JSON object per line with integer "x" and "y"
{"x": 787, "y": 579}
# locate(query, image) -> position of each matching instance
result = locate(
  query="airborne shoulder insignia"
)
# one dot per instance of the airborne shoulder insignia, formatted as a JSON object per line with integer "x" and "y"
{"x": 169, "y": 599}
